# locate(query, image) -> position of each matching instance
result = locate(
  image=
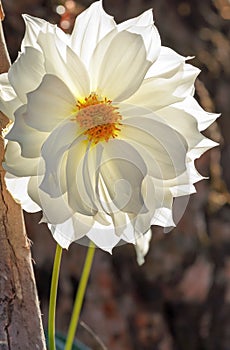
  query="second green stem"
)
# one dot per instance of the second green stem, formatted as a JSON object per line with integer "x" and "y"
{"x": 80, "y": 296}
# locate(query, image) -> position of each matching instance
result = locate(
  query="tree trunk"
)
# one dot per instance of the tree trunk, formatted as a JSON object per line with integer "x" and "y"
{"x": 20, "y": 317}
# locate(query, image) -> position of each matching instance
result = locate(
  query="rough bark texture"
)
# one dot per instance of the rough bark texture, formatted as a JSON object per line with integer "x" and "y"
{"x": 20, "y": 320}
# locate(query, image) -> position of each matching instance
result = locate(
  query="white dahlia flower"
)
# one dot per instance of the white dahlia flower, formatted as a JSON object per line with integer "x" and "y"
{"x": 106, "y": 128}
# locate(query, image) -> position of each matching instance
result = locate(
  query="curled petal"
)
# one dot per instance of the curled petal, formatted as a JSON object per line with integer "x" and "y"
{"x": 54, "y": 153}
{"x": 49, "y": 104}
{"x": 151, "y": 39}
{"x": 173, "y": 89}
{"x": 36, "y": 25}
{"x": 26, "y": 72}
{"x": 182, "y": 122}
{"x": 29, "y": 139}
{"x": 168, "y": 63}
{"x": 142, "y": 246}
{"x": 55, "y": 210}
{"x": 9, "y": 101}
{"x": 72, "y": 229}
{"x": 145, "y": 19}
{"x": 144, "y": 26}
{"x": 17, "y": 165}
{"x": 18, "y": 188}
{"x": 191, "y": 106}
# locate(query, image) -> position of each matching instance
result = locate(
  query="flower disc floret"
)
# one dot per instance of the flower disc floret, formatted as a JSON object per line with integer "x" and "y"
{"x": 99, "y": 117}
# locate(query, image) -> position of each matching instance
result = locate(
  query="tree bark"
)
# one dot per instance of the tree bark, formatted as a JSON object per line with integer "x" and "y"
{"x": 20, "y": 317}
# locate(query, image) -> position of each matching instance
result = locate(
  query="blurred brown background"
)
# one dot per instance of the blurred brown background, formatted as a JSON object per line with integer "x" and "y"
{"x": 180, "y": 298}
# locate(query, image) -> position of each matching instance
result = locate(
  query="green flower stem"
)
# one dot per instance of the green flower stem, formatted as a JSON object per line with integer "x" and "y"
{"x": 53, "y": 298}
{"x": 80, "y": 296}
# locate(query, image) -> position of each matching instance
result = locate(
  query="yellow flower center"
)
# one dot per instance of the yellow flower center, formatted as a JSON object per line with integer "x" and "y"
{"x": 99, "y": 118}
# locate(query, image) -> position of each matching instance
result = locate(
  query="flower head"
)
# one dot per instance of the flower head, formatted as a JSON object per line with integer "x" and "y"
{"x": 106, "y": 128}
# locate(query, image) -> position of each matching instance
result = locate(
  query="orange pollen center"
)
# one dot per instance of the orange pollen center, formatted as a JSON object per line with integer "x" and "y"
{"x": 99, "y": 118}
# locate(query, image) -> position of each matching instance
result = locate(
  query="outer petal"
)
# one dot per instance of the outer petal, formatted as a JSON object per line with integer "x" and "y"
{"x": 90, "y": 27}
{"x": 55, "y": 210}
{"x": 186, "y": 124}
{"x": 17, "y": 186}
{"x": 53, "y": 151}
{"x": 156, "y": 93}
{"x": 49, "y": 104}
{"x": 168, "y": 63}
{"x": 163, "y": 149}
{"x": 191, "y": 106}
{"x": 26, "y": 72}
{"x": 151, "y": 40}
{"x": 144, "y": 25}
{"x": 36, "y": 25}
{"x": 9, "y": 101}
{"x": 72, "y": 229}
{"x": 17, "y": 165}
{"x": 29, "y": 139}
{"x": 122, "y": 71}
{"x": 106, "y": 238}
{"x": 145, "y": 19}
{"x": 142, "y": 246}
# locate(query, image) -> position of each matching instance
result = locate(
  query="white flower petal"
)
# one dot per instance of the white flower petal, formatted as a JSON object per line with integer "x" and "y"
{"x": 53, "y": 151}
{"x": 55, "y": 210}
{"x": 60, "y": 60}
{"x": 167, "y": 64}
{"x": 79, "y": 185}
{"x": 90, "y": 27}
{"x": 17, "y": 186}
{"x": 163, "y": 148}
{"x": 182, "y": 122}
{"x": 122, "y": 71}
{"x": 158, "y": 92}
{"x": 106, "y": 239}
{"x": 36, "y": 25}
{"x": 9, "y": 101}
{"x": 122, "y": 170}
{"x": 144, "y": 26}
{"x": 186, "y": 85}
{"x": 57, "y": 231}
{"x": 29, "y": 139}
{"x": 26, "y": 72}
{"x": 151, "y": 39}
{"x": 97, "y": 58}
{"x": 183, "y": 184}
{"x": 119, "y": 220}
{"x": 142, "y": 246}
{"x": 191, "y": 106}
{"x": 163, "y": 217}
{"x": 72, "y": 230}
{"x": 145, "y": 19}
{"x": 17, "y": 165}
{"x": 49, "y": 104}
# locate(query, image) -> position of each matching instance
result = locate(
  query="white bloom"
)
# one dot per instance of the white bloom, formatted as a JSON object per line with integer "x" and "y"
{"x": 106, "y": 129}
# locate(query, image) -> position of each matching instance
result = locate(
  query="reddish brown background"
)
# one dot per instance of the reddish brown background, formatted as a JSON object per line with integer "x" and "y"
{"x": 180, "y": 298}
